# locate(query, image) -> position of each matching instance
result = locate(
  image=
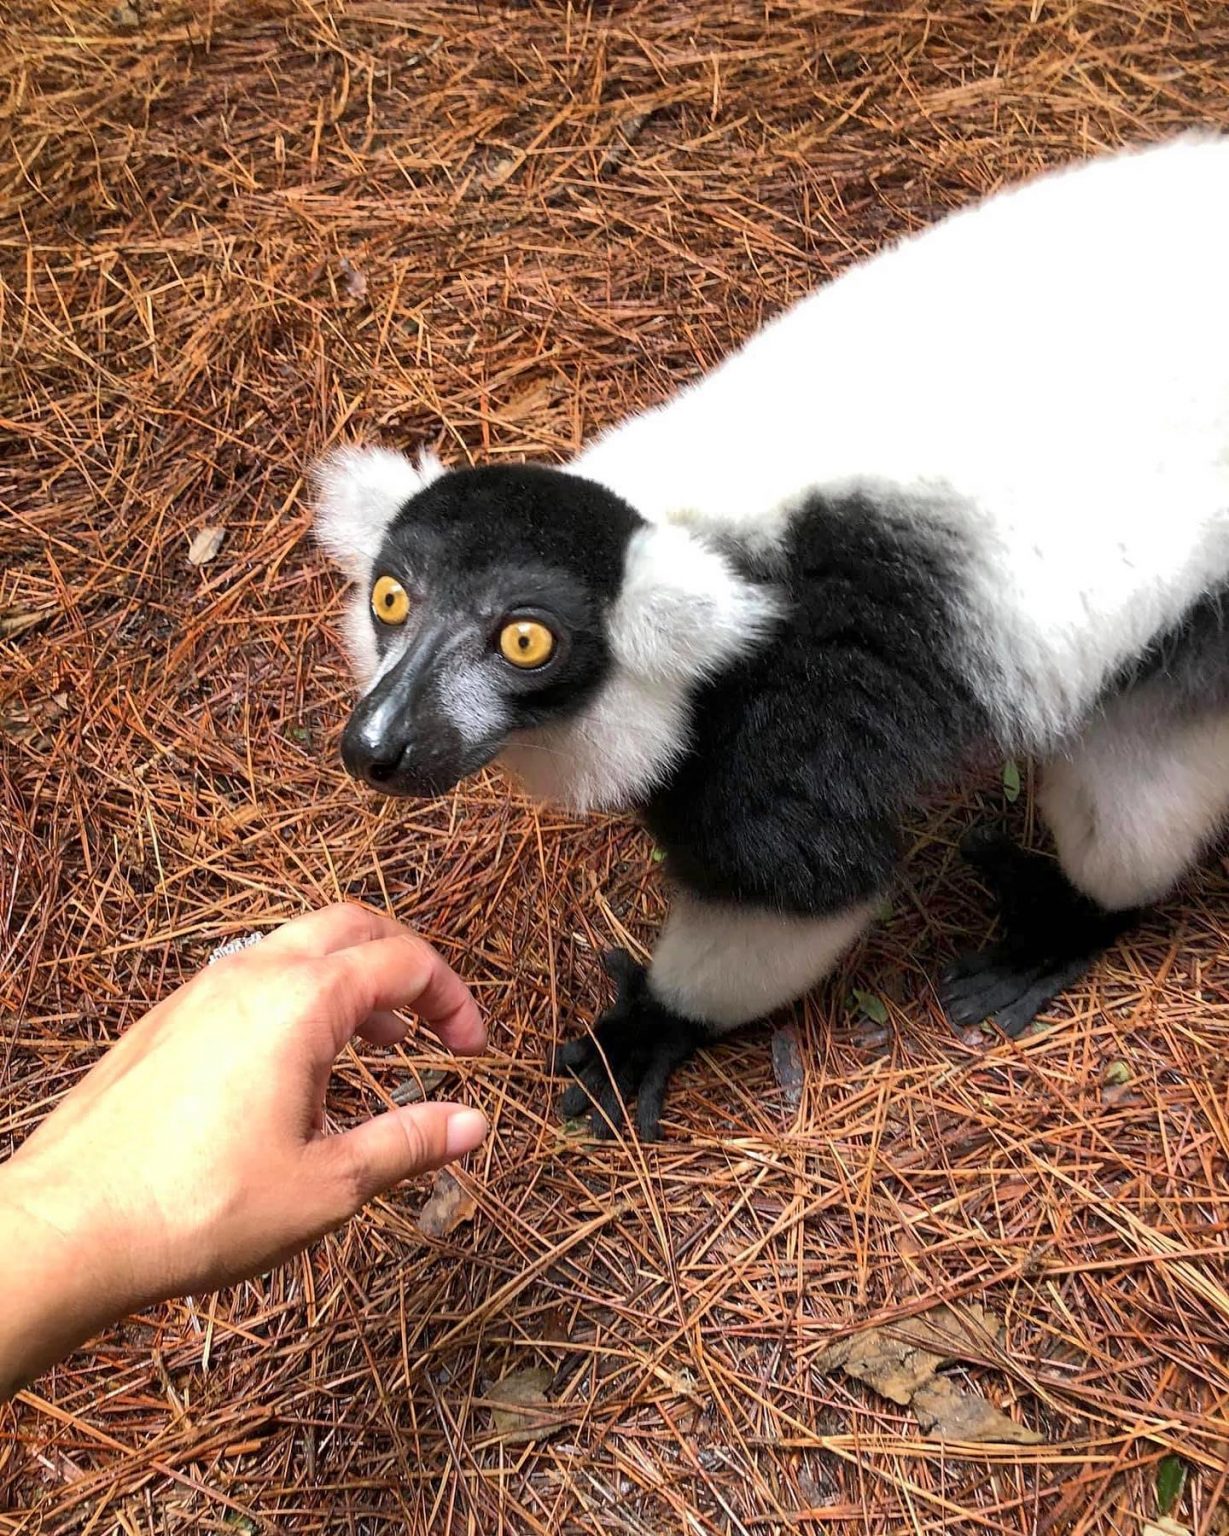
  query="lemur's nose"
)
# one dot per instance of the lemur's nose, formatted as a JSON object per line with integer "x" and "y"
{"x": 380, "y": 769}
{"x": 368, "y": 753}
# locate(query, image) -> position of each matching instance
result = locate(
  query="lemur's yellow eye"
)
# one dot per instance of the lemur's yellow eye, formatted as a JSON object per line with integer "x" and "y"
{"x": 390, "y": 602}
{"x": 526, "y": 643}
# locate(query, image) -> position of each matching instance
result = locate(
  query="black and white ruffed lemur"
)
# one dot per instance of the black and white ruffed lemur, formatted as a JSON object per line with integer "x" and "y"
{"x": 972, "y": 496}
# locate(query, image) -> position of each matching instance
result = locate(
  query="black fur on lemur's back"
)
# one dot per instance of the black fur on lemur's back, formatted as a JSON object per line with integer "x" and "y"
{"x": 804, "y": 753}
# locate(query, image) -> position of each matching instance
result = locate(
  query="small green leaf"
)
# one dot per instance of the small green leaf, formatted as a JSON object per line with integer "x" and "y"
{"x": 1170, "y": 1481}
{"x": 1011, "y": 782}
{"x": 883, "y": 913}
{"x": 658, "y": 855}
{"x": 1118, "y": 1072}
{"x": 871, "y": 1006}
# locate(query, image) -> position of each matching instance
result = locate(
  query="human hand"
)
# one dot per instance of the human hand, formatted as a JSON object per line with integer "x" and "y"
{"x": 193, "y": 1154}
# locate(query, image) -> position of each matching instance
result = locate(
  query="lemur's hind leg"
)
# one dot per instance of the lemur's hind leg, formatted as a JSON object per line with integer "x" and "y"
{"x": 1131, "y": 807}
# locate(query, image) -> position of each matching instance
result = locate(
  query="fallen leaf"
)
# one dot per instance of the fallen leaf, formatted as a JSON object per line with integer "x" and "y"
{"x": 415, "y": 1089}
{"x": 520, "y": 1411}
{"x": 501, "y": 169}
{"x": 894, "y": 1369}
{"x": 1120, "y": 1096}
{"x": 448, "y": 1205}
{"x": 1166, "y": 1527}
{"x": 204, "y": 545}
{"x": 787, "y": 1065}
{"x": 873, "y": 1007}
{"x": 953, "y": 1333}
{"x": 533, "y": 401}
{"x": 15, "y": 621}
{"x": 353, "y": 281}
{"x": 1011, "y": 782}
{"x": 898, "y": 1358}
{"x": 32, "y": 725}
{"x": 899, "y": 1361}
{"x": 1170, "y": 1481}
{"x": 947, "y": 1413}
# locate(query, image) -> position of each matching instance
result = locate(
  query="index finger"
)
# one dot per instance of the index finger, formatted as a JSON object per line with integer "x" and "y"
{"x": 401, "y": 971}
{"x": 330, "y": 928}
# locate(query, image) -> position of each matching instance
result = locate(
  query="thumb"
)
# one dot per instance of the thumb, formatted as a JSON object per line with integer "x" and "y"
{"x": 394, "y": 1146}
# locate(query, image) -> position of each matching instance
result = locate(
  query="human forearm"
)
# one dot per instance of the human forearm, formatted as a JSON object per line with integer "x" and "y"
{"x": 194, "y": 1153}
{"x": 55, "y": 1292}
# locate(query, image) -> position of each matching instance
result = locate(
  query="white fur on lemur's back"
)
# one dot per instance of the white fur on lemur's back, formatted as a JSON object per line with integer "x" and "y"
{"x": 1053, "y": 362}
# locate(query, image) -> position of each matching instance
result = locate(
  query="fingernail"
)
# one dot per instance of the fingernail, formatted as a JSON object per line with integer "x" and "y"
{"x": 465, "y": 1130}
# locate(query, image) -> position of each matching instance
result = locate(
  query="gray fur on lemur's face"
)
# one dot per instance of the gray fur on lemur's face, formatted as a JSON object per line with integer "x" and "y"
{"x": 488, "y": 600}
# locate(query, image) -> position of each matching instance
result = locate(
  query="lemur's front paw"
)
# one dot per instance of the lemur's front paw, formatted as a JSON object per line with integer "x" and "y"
{"x": 634, "y": 1048}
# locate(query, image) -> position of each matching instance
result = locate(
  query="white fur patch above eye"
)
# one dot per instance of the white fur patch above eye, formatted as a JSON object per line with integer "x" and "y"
{"x": 358, "y": 493}
{"x": 683, "y": 612}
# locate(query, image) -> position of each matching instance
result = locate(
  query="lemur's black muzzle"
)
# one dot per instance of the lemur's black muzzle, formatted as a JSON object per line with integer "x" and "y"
{"x": 398, "y": 739}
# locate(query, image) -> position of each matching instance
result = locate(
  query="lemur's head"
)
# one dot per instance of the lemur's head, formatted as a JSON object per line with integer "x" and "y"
{"x": 525, "y": 613}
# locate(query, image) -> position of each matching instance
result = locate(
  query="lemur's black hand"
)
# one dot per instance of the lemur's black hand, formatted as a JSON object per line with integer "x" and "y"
{"x": 1051, "y": 935}
{"x": 634, "y": 1047}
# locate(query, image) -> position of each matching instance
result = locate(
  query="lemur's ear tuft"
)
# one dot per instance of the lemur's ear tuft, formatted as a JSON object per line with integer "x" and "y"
{"x": 683, "y": 611}
{"x": 358, "y": 492}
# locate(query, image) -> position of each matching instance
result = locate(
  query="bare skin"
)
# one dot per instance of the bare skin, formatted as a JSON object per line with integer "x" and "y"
{"x": 194, "y": 1154}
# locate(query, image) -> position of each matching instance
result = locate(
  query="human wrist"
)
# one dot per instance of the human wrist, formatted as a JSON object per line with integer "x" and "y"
{"x": 59, "y": 1281}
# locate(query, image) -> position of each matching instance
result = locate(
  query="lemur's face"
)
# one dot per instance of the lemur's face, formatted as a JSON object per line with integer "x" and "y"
{"x": 488, "y": 603}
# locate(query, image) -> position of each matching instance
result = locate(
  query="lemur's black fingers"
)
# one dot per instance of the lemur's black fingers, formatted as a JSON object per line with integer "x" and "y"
{"x": 575, "y": 1101}
{"x": 600, "y": 1097}
{"x": 629, "y": 1056}
{"x": 1052, "y": 932}
{"x": 587, "y": 1066}
{"x": 1015, "y": 1018}
{"x": 651, "y": 1099}
{"x": 621, "y": 968}
{"x": 678, "y": 1042}
{"x": 986, "y": 845}
{"x": 610, "y": 1101}
{"x": 980, "y": 993}
{"x": 1008, "y": 994}
{"x": 573, "y": 1055}
{"x": 973, "y": 963}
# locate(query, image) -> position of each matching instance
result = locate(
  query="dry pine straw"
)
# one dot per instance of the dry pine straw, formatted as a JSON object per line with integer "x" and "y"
{"x": 234, "y": 233}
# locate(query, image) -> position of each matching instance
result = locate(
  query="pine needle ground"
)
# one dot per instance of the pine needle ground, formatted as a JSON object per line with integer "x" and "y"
{"x": 233, "y": 234}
